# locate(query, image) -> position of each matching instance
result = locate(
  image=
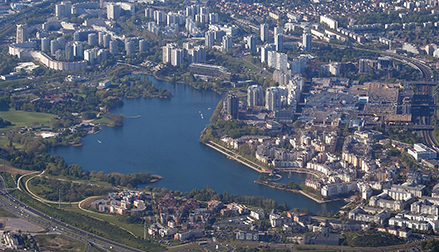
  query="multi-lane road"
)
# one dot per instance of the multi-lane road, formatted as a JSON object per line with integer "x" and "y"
{"x": 10, "y": 204}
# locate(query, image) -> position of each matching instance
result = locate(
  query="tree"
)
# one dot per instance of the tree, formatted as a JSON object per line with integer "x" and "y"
{"x": 346, "y": 130}
{"x": 112, "y": 102}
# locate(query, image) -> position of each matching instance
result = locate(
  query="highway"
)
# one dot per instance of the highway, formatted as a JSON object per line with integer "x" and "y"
{"x": 16, "y": 207}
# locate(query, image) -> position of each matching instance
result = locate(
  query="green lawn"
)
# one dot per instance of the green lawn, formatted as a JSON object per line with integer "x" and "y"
{"x": 137, "y": 229}
{"x": 247, "y": 65}
{"x": 23, "y": 118}
{"x": 103, "y": 120}
{"x": 5, "y": 142}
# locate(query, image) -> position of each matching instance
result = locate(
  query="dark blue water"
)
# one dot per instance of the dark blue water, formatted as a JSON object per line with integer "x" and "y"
{"x": 164, "y": 141}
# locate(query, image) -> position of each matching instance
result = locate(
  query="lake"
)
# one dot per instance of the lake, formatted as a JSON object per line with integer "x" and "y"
{"x": 164, "y": 141}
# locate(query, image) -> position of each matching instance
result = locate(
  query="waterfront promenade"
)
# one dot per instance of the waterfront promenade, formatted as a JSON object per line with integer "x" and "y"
{"x": 306, "y": 194}
{"x": 234, "y": 156}
{"x": 316, "y": 174}
{"x": 259, "y": 168}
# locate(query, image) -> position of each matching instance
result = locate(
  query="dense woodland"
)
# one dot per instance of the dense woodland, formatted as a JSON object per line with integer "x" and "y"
{"x": 233, "y": 128}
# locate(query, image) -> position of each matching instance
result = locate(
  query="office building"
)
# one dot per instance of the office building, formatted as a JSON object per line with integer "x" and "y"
{"x": 210, "y": 70}
{"x": 421, "y": 151}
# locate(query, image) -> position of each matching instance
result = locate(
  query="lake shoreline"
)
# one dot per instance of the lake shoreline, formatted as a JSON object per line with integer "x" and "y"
{"x": 153, "y": 143}
{"x": 276, "y": 186}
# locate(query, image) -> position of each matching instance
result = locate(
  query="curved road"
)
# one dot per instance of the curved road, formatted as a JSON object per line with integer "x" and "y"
{"x": 34, "y": 215}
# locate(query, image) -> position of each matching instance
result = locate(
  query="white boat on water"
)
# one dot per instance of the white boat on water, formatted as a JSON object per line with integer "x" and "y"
{"x": 201, "y": 115}
{"x": 99, "y": 141}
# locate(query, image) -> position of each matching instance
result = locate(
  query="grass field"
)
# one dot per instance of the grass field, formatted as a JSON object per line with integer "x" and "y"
{"x": 95, "y": 249}
{"x": 247, "y": 65}
{"x": 23, "y": 118}
{"x": 4, "y": 213}
{"x": 136, "y": 229}
{"x": 5, "y": 142}
{"x": 103, "y": 120}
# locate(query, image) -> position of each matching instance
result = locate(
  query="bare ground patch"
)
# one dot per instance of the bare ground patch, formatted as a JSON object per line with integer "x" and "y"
{"x": 55, "y": 242}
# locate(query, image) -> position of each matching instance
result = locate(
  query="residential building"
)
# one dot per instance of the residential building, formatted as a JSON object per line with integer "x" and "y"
{"x": 22, "y": 33}
{"x": 264, "y": 30}
{"x": 227, "y": 43}
{"x": 279, "y": 42}
{"x": 306, "y": 43}
{"x": 255, "y": 96}
{"x": 209, "y": 39}
{"x": 63, "y": 9}
{"x": 130, "y": 47}
{"x": 251, "y": 43}
{"x": 275, "y": 97}
{"x": 92, "y": 39}
{"x": 113, "y": 11}
{"x": 231, "y": 106}
{"x": 176, "y": 57}
{"x": 114, "y": 47}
